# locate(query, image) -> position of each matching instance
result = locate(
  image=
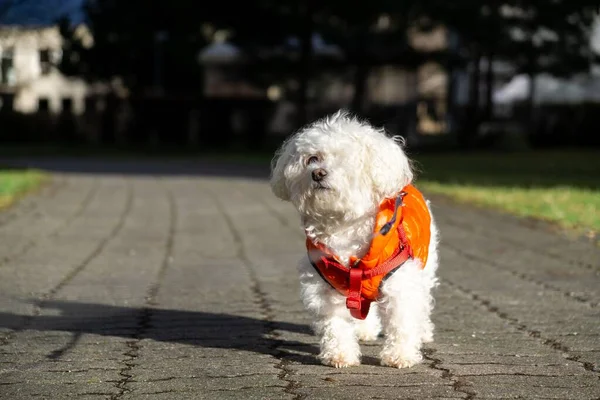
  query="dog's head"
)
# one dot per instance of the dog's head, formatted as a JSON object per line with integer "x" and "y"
{"x": 339, "y": 167}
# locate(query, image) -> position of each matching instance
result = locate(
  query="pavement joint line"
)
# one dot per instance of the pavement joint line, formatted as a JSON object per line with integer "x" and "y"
{"x": 536, "y": 251}
{"x": 39, "y": 304}
{"x": 103, "y": 243}
{"x": 458, "y": 384}
{"x": 116, "y": 365}
{"x": 145, "y": 314}
{"x": 286, "y": 373}
{"x": 67, "y": 222}
{"x": 31, "y": 204}
{"x": 524, "y": 277}
{"x": 519, "y": 326}
{"x": 277, "y": 215}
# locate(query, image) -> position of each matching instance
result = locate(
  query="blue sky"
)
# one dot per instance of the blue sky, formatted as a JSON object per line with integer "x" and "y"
{"x": 41, "y": 12}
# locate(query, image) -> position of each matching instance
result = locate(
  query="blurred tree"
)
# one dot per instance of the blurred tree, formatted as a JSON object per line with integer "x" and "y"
{"x": 265, "y": 36}
{"x": 125, "y": 37}
{"x": 551, "y": 36}
{"x": 533, "y": 35}
{"x": 128, "y": 35}
{"x": 139, "y": 42}
{"x": 373, "y": 33}
{"x": 368, "y": 32}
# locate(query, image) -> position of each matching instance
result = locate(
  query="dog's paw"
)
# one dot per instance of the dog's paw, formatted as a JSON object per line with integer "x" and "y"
{"x": 400, "y": 359}
{"x": 339, "y": 360}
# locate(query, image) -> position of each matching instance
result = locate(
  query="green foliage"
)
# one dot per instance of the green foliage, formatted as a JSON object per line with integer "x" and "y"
{"x": 540, "y": 35}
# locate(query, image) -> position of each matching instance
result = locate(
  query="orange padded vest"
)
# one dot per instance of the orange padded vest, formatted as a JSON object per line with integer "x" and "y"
{"x": 402, "y": 231}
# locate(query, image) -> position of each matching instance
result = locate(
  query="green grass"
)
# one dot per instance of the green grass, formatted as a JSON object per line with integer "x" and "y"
{"x": 14, "y": 183}
{"x": 562, "y": 187}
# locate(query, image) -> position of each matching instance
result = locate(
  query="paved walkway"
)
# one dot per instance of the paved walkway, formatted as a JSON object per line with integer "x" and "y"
{"x": 117, "y": 282}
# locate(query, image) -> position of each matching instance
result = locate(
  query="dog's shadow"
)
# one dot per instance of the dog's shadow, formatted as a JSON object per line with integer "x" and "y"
{"x": 195, "y": 328}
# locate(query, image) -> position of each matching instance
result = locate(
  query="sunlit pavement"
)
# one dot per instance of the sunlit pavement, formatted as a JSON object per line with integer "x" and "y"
{"x": 176, "y": 280}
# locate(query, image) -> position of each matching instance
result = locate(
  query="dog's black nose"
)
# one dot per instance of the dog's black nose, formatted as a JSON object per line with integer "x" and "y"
{"x": 319, "y": 174}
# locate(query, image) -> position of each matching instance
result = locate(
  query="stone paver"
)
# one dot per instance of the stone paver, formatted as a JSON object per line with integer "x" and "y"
{"x": 148, "y": 280}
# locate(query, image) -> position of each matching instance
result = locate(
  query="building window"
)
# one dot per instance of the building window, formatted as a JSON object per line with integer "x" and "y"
{"x": 67, "y": 105}
{"x": 91, "y": 104}
{"x": 7, "y": 101}
{"x": 43, "y": 104}
{"x": 45, "y": 61}
{"x": 7, "y": 70}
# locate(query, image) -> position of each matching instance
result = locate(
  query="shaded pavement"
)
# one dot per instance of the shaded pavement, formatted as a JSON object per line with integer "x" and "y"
{"x": 176, "y": 280}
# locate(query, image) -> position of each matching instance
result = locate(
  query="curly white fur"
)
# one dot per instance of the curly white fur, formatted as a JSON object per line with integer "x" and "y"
{"x": 363, "y": 166}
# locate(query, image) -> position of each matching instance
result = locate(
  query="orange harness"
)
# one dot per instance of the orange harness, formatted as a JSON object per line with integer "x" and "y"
{"x": 402, "y": 231}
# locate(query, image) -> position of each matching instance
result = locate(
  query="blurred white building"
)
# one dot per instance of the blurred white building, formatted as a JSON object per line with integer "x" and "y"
{"x": 28, "y": 70}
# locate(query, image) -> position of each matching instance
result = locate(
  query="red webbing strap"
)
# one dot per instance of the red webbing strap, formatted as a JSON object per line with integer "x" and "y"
{"x": 365, "y": 305}
{"x": 355, "y": 302}
{"x": 332, "y": 263}
{"x": 399, "y": 258}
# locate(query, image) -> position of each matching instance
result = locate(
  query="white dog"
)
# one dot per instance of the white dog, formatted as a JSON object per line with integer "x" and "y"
{"x": 351, "y": 185}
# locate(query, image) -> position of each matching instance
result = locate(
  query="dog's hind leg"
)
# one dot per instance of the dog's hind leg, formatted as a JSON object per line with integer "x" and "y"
{"x": 369, "y": 328}
{"x": 430, "y": 281}
{"x": 404, "y": 313}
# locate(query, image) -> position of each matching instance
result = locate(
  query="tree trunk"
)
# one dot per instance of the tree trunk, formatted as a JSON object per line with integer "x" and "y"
{"x": 360, "y": 87}
{"x": 488, "y": 112}
{"x": 475, "y": 85}
{"x": 451, "y": 96}
{"x": 530, "y": 106}
{"x": 531, "y": 95}
{"x": 467, "y": 134}
{"x": 305, "y": 64}
{"x": 532, "y": 127}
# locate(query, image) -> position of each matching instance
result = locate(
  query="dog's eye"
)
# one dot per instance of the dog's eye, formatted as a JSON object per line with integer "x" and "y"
{"x": 312, "y": 159}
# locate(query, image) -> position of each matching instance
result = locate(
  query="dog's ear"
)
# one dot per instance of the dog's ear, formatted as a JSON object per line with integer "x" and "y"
{"x": 390, "y": 167}
{"x": 278, "y": 165}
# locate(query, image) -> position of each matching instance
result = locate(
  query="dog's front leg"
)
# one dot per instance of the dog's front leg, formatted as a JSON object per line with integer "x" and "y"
{"x": 332, "y": 322}
{"x": 405, "y": 316}
{"x": 339, "y": 344}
